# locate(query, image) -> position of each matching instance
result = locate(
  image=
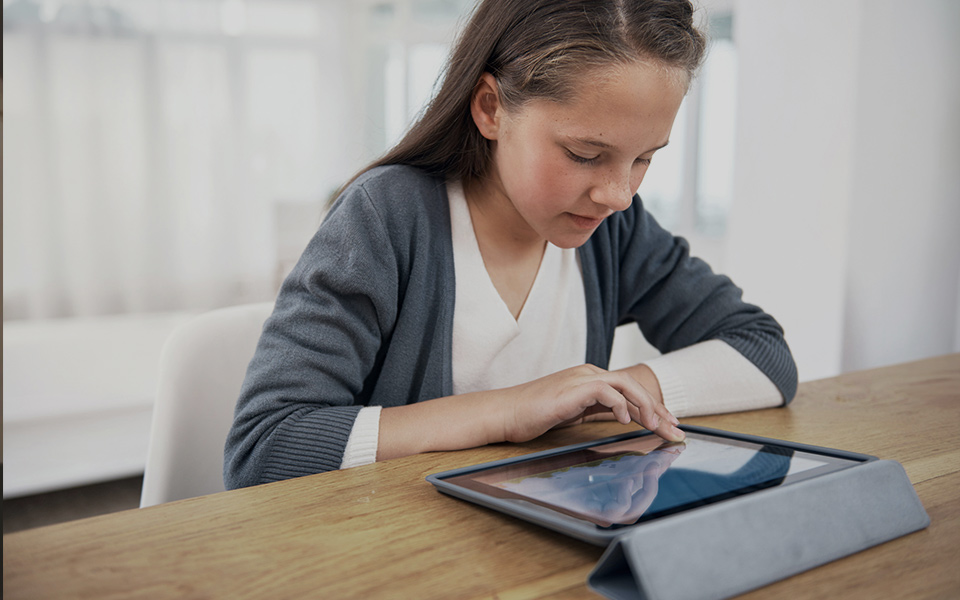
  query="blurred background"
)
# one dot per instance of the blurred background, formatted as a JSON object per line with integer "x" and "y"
{"x": 166, "y": 157}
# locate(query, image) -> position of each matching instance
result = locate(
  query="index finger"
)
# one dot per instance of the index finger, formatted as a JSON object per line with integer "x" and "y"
{"x": 653, "y": 414}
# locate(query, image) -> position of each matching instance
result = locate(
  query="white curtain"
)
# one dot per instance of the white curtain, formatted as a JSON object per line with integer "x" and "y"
{"x": 151, "y": 148}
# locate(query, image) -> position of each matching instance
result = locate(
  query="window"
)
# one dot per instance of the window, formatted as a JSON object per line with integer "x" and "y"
{"x": 689, "y": 187}
{"x": 175, "y": 154}
{"x": 406, "y": 44}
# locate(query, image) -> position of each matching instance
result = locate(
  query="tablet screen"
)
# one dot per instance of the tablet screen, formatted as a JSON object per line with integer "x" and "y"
{"x": 634, "y": 480}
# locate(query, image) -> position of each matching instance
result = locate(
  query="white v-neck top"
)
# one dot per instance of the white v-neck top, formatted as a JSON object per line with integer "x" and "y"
{"x": 491, "y": 349}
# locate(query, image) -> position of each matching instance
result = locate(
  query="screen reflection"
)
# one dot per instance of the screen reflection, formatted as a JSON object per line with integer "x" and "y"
{"x": 623, "y": 487}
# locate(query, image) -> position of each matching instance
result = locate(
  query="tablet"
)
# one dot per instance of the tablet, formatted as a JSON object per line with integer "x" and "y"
{"x": 594, "y": 490}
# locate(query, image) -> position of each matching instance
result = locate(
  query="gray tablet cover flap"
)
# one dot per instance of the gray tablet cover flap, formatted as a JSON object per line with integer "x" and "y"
{"x": 731, "y": 547}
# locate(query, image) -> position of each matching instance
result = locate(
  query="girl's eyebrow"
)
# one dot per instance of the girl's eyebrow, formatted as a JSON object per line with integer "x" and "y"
{"x": 590, "y": 142}
{"x": 599, "y": 144}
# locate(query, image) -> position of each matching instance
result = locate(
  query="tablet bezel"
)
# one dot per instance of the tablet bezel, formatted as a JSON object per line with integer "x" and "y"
{"x": 581, "y": 528}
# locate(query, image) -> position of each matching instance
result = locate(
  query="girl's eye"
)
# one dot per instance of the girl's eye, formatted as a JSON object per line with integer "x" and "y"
{"x": 581, "y": 159}
{"x": 644, "y": 161}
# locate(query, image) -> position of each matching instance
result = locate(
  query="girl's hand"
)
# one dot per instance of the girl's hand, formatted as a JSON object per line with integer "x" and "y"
{"x": 584, "y": 393}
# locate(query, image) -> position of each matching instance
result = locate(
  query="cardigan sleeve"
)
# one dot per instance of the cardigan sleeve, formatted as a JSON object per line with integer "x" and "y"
{"x": 678, "y": 301}
{"x": 308, "y": 377}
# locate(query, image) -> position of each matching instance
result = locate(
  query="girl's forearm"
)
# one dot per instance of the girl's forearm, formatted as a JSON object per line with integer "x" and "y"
{"x": 448, "y": 423}
{"x": 523, "y": 412}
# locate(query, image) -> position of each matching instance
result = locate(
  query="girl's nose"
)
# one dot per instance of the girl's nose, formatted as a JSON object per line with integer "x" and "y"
{"x": 613, "y": 192}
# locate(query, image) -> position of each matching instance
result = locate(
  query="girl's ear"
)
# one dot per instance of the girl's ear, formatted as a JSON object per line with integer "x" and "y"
{"x": 485, "y": 107}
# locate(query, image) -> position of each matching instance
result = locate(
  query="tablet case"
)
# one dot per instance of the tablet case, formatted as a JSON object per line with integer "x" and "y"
{"x": 729, "y": 548}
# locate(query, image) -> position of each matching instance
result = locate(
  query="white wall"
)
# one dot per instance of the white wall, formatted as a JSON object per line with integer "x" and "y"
{"x": 847, "y": 191}
{"x": 904, "y": 239}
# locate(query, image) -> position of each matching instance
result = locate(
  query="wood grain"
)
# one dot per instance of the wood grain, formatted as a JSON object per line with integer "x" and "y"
{"x": 380, "y": 531}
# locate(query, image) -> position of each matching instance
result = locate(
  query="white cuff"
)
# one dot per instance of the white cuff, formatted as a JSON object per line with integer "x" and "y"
{"x": 361, "y": 446}
{"x": 711, "y": 378}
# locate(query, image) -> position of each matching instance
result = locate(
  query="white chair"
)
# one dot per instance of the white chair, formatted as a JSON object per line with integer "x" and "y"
{"x": 202, "y": 367}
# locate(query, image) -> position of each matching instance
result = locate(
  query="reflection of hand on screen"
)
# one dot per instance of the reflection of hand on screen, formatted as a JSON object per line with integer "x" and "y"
{"x": 623, "y": 497}
{"x": 615, "y": 490}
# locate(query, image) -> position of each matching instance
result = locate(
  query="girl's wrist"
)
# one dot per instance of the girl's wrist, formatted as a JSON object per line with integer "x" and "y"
{"x": 499, "y": 416}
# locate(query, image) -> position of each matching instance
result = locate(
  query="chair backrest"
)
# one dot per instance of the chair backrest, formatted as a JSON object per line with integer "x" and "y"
{"x": 202, "y": 367}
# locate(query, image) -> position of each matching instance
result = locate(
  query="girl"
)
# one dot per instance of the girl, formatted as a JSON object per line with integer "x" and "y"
{"x": 465, "y": 289}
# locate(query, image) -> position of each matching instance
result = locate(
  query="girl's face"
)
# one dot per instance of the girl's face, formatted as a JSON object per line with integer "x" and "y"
{"x": 565, "y": 167}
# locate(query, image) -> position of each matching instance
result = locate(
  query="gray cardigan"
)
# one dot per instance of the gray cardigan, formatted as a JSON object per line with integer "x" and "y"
{"x": 366, "y": 318}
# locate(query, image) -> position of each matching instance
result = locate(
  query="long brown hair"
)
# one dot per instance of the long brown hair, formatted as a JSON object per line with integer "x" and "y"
{"x": 535, "y": 49}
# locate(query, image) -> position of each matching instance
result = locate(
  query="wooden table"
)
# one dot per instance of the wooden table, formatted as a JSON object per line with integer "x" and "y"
{"x": 380, "y": 531}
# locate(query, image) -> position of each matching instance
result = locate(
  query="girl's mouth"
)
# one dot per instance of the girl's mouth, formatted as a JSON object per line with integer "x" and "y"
{"x": 585, "y": 222}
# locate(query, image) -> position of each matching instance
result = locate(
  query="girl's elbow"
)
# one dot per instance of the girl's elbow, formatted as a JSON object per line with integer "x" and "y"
{"x": 239, "y": 470}
{"x": 790, "y": 384}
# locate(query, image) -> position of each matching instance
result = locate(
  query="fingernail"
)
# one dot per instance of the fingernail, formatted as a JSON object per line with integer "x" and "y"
{"x": 674, "y": 420}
